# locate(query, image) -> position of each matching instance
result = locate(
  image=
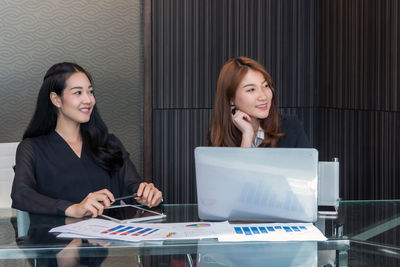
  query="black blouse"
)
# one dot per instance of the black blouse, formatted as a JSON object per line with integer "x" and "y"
{"x": 294, "y": 133}
{"x": 49, "y": 176}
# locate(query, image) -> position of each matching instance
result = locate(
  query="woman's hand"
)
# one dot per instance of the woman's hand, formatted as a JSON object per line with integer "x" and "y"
{"x": 69, "y": 256}
{"x": 242, "y": 121}
{"x": 93, "y": 204}
{"x": 148, "y": 195}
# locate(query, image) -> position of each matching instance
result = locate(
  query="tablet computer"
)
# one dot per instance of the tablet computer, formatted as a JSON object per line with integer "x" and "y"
{"x": 132, "y": 213}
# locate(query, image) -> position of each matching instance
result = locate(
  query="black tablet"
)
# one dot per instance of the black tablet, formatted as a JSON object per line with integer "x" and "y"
{"x": 132, "y": 213}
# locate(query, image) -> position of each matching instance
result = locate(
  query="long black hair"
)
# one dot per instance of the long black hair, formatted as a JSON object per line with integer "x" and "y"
{"x": 99, "y": 144}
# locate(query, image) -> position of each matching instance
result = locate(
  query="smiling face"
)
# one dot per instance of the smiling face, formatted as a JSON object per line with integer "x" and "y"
{"x": 77, "y": 100}
{"x": 253, "y": 95}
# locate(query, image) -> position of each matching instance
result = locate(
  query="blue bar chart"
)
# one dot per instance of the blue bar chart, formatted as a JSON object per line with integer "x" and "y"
{"x": 257, "y": 230}
{"x": 123, "y": 230}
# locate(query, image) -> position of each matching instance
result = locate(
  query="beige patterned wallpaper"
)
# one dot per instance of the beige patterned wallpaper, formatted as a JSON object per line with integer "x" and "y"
{"x": 103, "y": 36}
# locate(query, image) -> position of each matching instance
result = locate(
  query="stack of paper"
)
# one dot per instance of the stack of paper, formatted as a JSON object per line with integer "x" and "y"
{"x": 224, "y": 231}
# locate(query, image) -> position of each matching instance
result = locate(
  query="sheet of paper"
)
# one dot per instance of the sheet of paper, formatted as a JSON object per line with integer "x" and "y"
{"x": 224, "y": 231}
{"x": 68, "y": 235}
{"x": 272, "y": 232}
{"x": 197, "y": 230}
{"x": 105, "y": 229}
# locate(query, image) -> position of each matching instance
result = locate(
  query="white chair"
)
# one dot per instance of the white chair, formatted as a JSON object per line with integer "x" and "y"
{"x": 7, "y": 161}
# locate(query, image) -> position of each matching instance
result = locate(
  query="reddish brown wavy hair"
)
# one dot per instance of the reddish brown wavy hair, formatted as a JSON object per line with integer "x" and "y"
{"x": 222, "y": 130}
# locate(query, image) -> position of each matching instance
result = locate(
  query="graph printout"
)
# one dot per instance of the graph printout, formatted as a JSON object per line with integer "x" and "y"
{"x": 273, "y": 232}
{"x": 105, "y": 229}
{"x": 223, "y": 231}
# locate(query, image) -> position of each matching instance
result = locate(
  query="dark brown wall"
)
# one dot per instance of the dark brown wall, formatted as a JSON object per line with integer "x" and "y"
{"x": 358, "y": 94}
{"x": 191, "y": 41}
{"x": 335, "y": 65}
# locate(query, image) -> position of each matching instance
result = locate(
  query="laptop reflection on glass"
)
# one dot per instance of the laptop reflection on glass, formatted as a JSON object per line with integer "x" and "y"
{"x": 257, "y": 184}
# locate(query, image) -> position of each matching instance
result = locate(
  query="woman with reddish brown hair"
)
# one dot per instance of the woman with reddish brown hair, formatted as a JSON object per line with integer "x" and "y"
{"x": 245, "y": 112}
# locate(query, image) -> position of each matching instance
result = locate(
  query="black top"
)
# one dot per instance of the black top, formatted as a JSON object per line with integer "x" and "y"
{"x": 49, "y": 176}
{"x": 294, "y": 133}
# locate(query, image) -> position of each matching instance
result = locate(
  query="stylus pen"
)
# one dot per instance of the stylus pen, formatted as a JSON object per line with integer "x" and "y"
{"x": 125, "y": 197}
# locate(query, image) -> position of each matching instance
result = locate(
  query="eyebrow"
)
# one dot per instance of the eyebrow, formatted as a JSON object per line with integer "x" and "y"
{"x": 252, "y": 84}
{"x": 80, "y": 87}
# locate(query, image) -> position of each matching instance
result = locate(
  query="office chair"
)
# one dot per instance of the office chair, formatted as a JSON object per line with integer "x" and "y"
{"x": 7, "y": 161}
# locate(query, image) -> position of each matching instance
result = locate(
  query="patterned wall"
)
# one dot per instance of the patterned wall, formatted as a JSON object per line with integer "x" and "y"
{"x": 191, "y": 41}
{"x": 335, "y": 65}
{"x": 358, "y": 44}
{"x": 105, "y": 37}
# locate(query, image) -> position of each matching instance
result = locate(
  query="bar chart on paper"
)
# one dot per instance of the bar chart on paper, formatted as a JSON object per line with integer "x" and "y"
{"x": 223, "y": 231}
{"x": 273, "y": 232}
{"x": 256, "y": 230}
{"x": 124, "y": 230}
{"x": 105, "y": 229}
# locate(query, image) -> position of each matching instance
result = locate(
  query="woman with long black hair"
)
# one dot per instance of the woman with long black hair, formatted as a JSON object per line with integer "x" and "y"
{"x": 68, "y": 163}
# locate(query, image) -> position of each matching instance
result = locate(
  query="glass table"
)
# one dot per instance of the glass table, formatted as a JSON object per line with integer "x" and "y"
{"x": 365, "y": 233}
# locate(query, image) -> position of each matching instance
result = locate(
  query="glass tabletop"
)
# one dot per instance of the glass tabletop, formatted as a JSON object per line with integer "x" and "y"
{"x": 370, "y": 221}
{"x": 364, "y": 231}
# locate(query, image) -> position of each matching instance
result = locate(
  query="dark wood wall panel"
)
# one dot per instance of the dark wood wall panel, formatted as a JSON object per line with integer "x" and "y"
{"x": 368, "y": 146}
{"x": 358, "y": 93}
{"x": 180, "y": 131}
{"x": 335, "y": 65}
{"x": 358, "y": 51}
{"x": 191, "y": 41}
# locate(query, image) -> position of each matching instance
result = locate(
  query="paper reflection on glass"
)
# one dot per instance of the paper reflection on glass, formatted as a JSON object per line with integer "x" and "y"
{"x": 259, "y": 254}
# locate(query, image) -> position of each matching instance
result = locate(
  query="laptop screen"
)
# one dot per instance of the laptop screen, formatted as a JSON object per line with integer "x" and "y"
{"x": 257, "y": 184}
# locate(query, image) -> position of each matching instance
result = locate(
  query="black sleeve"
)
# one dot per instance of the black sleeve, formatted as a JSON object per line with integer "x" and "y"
{"x": 24, "y": 192}
{"x": 302, "y": 140}
{"x": 295, "y": 135}
{"x": 130, "y": 178}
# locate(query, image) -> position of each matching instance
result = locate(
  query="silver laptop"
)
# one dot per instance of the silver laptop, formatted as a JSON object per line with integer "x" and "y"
{"x": 257, "y": 184}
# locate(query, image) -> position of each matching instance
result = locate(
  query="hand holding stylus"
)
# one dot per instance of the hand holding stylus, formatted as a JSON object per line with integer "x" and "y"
{"x": 149, "y": 195}
{"x": 93, "y": 204}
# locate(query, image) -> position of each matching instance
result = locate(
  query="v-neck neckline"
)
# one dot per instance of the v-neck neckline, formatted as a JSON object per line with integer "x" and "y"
{"x": 69, "y": 147}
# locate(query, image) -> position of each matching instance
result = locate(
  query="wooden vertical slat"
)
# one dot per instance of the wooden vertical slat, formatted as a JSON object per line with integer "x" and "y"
{"x": 147, "y": 110}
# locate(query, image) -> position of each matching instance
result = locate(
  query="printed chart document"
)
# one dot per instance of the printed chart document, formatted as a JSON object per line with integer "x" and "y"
{"x": 106, "y": 229}
{"x": 273, "y": 232}
{"x": 223, "y": 231}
